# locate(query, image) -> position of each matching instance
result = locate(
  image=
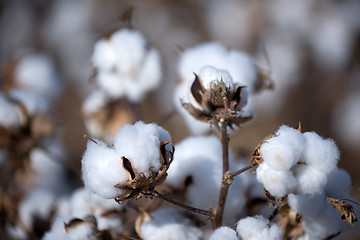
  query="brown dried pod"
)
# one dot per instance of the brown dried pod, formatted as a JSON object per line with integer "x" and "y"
{"x": 137, "y": 182}
{"x": 218, "y": 103}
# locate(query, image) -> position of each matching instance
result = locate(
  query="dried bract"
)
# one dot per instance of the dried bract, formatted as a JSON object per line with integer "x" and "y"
{"x": 346, "y": 210}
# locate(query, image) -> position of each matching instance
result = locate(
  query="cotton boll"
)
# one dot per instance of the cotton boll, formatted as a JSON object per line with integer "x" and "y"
{"x": 338, "y": 184}
{"x": 279, "y": 155}
{"x": 310, "y": 180}
{"x": 257, "y": 228}
{"x": 57, "y": 231}
{"x": 140, "y": 144}
{"x": 224, "y": 233}
{"x": 320, "y": 153}
{"x": 102, "y": 169}
{"x": 278, "y": 183}
{"x": 169, "y": 224}
{"x": 36, "y": 73}
{"x": 308, "y": 205}
{"x": 104, "y": 57}
{"x": 33, "y": 102}
{"x": 110, "y": 82}
{"x": 48, "y": 173}
{"x": 79, "y": 206}
{"x": 209, "y": 75}
{"x": 198, "y": 159}
{"x": 83, "y": 231}
{"x": 94, "y": 102}
{"x": 8, "y": 114}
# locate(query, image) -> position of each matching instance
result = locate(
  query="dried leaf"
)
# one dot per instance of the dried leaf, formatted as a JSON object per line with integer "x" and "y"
{"x": 197, "y": 90}
{"x": 346, "y": 210}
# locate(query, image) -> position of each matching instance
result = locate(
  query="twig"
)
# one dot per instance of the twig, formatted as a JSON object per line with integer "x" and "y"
{"x": 233, "y": 174}
{"x": 179, "y": 204}
{"x": 226, "y": 178}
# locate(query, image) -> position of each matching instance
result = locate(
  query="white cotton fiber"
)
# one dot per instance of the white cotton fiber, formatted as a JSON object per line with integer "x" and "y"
{"x": 211, "y": 75}
{"x": 8, "y": 114}
{"x": 278, "y": 183}
{"x": 257, "y": 228}
{"x": 320, "y": 153}
{"x": 200, "y": 159}
{"x": 102, "y": 169}
{"x": 57, "y": 231}
{"x": 83, "y": 231}
{"x": 79, "y": 206}
{"x": 94, "y": 102}
{"x": 33, "y": 102}
{"x": 104, "y": 57}
{"x": 125, "y": 66}
{"x": 169, "y": 224}
{"x": 36, "y": 73}
{"x": 140, "y": 144}
{"x": 338, "y": 184}
{"x": 307, "y": 205}
{"x": 224, "y": 233}
{"x": 278, "y": 154}
{"x": 292, "y": 136}
{"x": 310, "y": 180}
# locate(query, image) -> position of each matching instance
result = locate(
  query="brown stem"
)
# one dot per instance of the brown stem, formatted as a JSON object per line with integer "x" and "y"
{"x": 240, "y": 171}
{"x": 226, "y": 178}
{"x": 180, "y": 204}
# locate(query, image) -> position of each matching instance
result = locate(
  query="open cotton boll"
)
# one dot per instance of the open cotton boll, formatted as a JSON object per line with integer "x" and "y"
{"x": 102, "y": 169}
{"x": 36, "y": 73}
{"x": 38, "y": 204}
{"x": 33, "y": 102}
{"x": 8, "y": 114}
{"x": 169, "y": 224}
{"x": 48, "y": 173}
{"x": 257, "y": 228}
{"x": 278, "y": 183}
{"x": 278, "y": 154}
{"x": 210, "y": 75}
{"x": 140, "y": 143}
{"x": 307, "y": 205}
{"x": 338, "y": 184}
{"x": 310, "y": 180}
{"x": 224, "y": 233}
{"x": 57, "y": 231}
{"x": 320, "y": 153}
{"x": 197, "y": 159}
{"x": 125, "y": 66}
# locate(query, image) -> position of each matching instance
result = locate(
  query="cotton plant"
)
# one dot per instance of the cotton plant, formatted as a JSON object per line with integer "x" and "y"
{"x": 213, "y": 60}
{"x": 31, "y": 154}
{"x": 136, "y": 163}
{"x": 125, "y": 69}
{"x": 300, "y": 176}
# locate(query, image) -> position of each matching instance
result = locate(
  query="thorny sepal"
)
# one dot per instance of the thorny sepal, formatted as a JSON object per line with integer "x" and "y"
{"x": 137, "y": 182}
{"x": 345, "y": 209}
{"x": 216, "y": 102}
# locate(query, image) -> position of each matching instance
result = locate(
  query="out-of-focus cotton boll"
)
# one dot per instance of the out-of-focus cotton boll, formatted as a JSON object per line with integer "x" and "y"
{"x": 38, "y": 204}
{"x": 198, "y": 159}
{"x": 140, "y": 143}
{"x": 338, "y": 184}
{"x": 36, "y": 73}
{"x": 278, "y": 183}
{"x": 169, "y": 224}
{"x": 309, "y": 205}
{"x": 257, "y": 228}
{"x": 345, "y": 120}
{"x": 331, "y": 40}
{"x": 320, "y": 153}
{"x": 310, "y": 180}
{"x": 79, "y": 206}
{"x": 210, "y": 75}
{"x": 102, "y": 169}
{"x": 8, "y": 113}
{"x": 48, "y": 173}
{"x": 224, "y": 233}
{"x": 125, "y": 66}
{"x": 57, "y": 231}
{"x": 33, "y": 102}
{"x": 83, "y": 231}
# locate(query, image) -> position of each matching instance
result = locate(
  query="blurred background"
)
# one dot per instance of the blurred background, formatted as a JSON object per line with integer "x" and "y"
{"x": 313, "y": 49}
